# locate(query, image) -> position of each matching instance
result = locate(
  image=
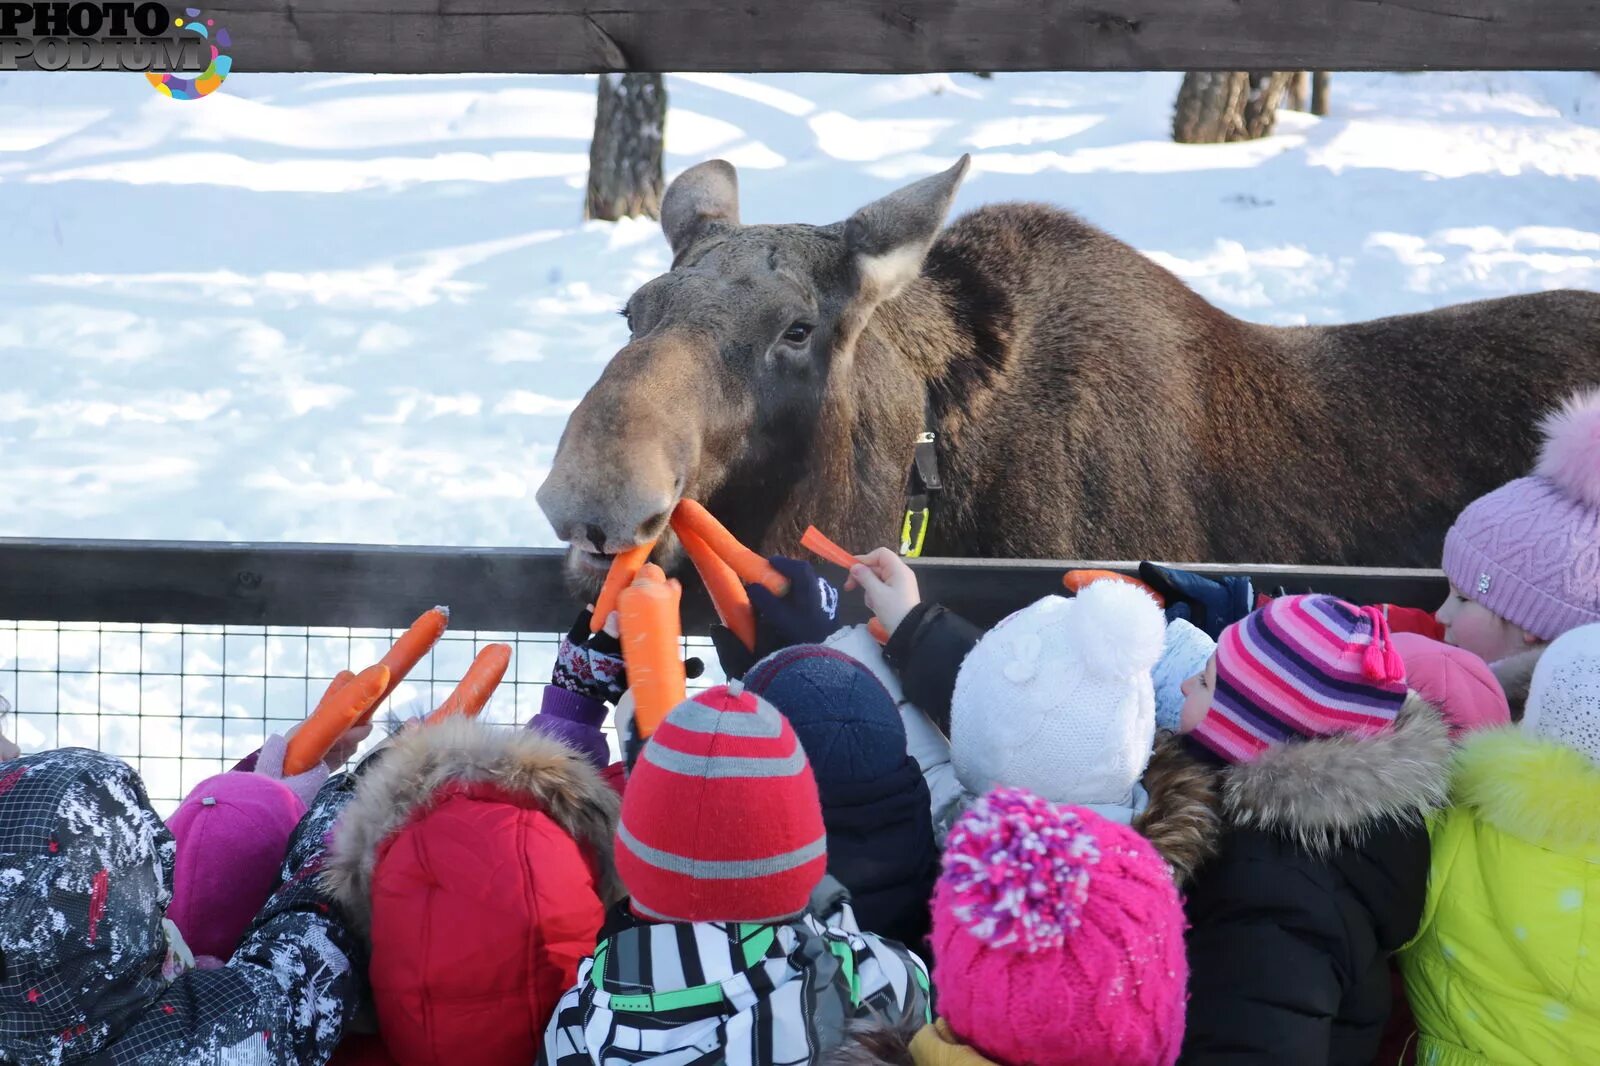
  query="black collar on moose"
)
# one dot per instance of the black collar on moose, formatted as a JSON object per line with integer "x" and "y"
{"x": 921, "y": 483}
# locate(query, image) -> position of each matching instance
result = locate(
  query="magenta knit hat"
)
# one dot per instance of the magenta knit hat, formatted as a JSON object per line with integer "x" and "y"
{"x": 1454, "y": 680}
{"x": 1302, "y": 666}
{"x": 1058, "y": 938}
{"x": 1530, "y": 550}
{"x": 232, "y": 832}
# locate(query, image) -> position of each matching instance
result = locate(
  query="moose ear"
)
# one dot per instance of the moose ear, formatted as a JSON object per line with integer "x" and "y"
{"x": 704, "y": 196}
{"x": 889, "y": 237}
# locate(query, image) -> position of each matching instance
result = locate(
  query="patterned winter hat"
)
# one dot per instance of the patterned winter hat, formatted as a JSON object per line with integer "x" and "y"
{"x": 1058, "y": 938}
{"x": 1530, "y": 550}
{"x": 1184, "y": 654}
{"x": 1058, "y": 699}
{"x": 1564, "y": 697}
{"x": 720, "y": 820}
{"x": 1302, "y": 666}
{"x": 845, "y": 719}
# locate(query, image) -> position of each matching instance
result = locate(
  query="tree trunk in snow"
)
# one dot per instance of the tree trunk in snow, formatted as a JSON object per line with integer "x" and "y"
{"x": 625, "y": 154}
{"x": 1299, "y": 90}
{"x": 1215, "y": 107}
{"x": 1319, "y": 93}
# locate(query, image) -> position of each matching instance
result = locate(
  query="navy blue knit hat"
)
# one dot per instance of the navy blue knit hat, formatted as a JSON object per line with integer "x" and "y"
{"x": 845, "y": 719}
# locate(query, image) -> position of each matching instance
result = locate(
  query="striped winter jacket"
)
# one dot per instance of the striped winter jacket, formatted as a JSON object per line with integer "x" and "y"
{"x": 749, "y": 995}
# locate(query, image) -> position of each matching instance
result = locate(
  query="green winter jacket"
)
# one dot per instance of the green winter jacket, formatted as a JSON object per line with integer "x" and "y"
{"x": 1506, "y": 967}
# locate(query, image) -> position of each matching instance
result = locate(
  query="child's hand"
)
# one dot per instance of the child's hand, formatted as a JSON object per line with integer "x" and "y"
{"x": 889, "y": 584}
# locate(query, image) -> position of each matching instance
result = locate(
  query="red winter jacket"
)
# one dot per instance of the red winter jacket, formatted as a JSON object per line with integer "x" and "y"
{"x": 477, "y": 859}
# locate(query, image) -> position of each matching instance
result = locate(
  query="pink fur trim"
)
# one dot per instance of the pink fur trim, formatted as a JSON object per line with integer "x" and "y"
{"x": 1571, "y": 453}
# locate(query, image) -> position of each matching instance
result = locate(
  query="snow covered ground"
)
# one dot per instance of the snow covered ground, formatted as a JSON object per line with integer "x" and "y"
{"x": 320, "y": 307}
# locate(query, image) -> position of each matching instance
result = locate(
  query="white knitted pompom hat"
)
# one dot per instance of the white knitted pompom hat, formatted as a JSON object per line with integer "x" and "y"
{"x": 1057, "y": 699}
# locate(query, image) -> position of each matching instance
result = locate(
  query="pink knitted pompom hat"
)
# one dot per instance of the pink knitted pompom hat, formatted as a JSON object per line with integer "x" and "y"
{"x": 1058, "y": 938}
{"x": 1530, "y": 550}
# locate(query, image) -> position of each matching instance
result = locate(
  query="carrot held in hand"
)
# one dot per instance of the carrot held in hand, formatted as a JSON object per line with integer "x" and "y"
{"x": 319, "y": 733}
{"x": 409, "y": 650}
{"x": 472, "y": 694}
{"x": 751, "y": 568}
{"x": 1075, "y": 581}
{"x": 340, "y": 680}
{"x": 728, "y": 593}
{"x": 651, "y": 633}
{"x": 625, "y": 566}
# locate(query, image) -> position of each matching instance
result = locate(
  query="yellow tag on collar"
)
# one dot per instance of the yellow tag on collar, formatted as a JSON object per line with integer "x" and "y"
{"x": 914, "y": 533}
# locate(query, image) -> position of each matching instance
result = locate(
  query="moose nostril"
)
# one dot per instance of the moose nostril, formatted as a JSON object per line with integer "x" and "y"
{"x": 596, "y": 537}
{"x": 653, "y": 527}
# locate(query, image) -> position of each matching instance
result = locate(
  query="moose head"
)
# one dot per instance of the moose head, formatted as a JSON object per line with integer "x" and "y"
{"x": 737, "y": 358}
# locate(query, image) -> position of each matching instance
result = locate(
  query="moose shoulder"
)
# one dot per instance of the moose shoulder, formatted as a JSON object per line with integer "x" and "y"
{"x": 1088, "y": 403}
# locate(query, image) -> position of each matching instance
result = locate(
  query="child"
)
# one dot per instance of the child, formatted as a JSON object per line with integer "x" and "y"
{"x": 1057, "y": 699}
{"x": 1457, "y": 682}
{"x": 1326, "y": 767}
{"x": 1506, "y": 968}
{"x": 874, "y": 800}
{"x": 1173, "y": 804}
{"x": 721, "y": 845}
{"x": 91, "y": 968}
{"x": 232, "y": 832}
{"x": 476, "y": 861}
{"x": 1059, "y": 939}
{"x": 1524, "y": 561}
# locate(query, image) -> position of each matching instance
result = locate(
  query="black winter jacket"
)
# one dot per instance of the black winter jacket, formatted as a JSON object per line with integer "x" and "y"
{"x": 927, "y": 650}
{"x": 1320, "y": 875}
{"x": 85, "y": 878}
{"x": 881, "y": 848}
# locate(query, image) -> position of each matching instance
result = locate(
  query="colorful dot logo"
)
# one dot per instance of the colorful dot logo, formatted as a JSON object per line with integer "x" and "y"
{"x": 180, "y": 88}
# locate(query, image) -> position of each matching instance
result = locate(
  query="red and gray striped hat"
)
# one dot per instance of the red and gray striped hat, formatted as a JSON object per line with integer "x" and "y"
{"x": 720, "y": 820}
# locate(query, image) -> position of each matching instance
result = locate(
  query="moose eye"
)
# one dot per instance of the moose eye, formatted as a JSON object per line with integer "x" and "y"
{"x": 797, "y": 332}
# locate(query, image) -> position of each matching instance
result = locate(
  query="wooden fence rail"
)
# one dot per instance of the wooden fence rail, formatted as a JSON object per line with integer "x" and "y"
{"x": 512, "y": 589}
{"x": 905, "y": 36}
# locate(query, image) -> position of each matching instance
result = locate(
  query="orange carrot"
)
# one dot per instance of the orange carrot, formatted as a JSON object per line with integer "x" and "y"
{"x": 815, "y": 542}
{"x": 651, "y": 633}
{"x": 728, "y": 594}
{"x": 477, "y": 684}
{"x": 878, "y": 632}
{"x": 340, "y": 680}
{"x": 409, "y": 650}
{"x": 319, "y": 733}
{"x": 751, "y": 568}
{"x": 1075, "y": 581}
{"x": 624, "y": 568}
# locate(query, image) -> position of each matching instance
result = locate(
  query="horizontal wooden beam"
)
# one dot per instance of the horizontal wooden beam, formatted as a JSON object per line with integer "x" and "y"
{"x": 906, "y": 36}
{"x": 511, "y": 589}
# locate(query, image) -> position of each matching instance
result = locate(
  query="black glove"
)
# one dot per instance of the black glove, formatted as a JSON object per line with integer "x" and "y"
{"x": 806, "y": 615}
{"x": 591, "y": 664}
{"x": 1207, "y": 604}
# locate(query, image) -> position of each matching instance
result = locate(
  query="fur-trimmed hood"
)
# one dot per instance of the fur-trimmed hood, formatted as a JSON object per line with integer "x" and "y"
{"x": 1182, "y": 820}
{"x": 465, "y": 751}
{"x": 1530, "y": 787}
{"x": 1328, "y": 792}
{"x": 1515, "y": 674}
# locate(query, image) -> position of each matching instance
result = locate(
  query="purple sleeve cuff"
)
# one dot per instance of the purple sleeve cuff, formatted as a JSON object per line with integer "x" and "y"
{"x": 573, "y": 707}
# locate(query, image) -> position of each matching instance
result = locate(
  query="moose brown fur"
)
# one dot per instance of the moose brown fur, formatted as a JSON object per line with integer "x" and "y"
{"x": 1089, "y": 404}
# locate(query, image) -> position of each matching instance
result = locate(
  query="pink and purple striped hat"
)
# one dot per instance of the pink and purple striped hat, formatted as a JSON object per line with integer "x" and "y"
{"x": 1302, "y": 666}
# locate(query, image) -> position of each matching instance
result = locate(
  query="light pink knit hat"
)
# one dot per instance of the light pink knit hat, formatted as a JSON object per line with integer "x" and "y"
{"x": 1530, "y": 550}
{"x": 1058, "y": 938}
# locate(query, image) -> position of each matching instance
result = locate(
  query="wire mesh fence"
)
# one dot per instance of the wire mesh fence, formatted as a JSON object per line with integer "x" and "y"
{"x": 182, "y": 702}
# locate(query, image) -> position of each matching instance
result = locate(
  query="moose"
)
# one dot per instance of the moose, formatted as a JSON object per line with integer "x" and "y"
{"x": 1083, "y": 402}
